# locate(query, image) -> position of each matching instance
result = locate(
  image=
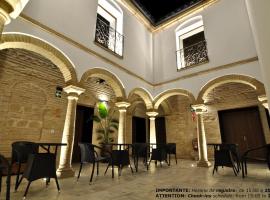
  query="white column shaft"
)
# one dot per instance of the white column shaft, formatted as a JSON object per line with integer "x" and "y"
{"x": 121, "y": 127}
{"x": 68, "y": 138}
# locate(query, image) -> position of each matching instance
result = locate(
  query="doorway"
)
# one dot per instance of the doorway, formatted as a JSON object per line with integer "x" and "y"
{"x": 243, "y": 127}
{"x": 138, "y": 130}
{"x": 160, "y": 130}
{"x": 83, "y": 129}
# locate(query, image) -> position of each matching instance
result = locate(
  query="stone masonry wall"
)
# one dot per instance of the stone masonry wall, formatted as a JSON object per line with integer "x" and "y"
{"x": 29, "y": 109}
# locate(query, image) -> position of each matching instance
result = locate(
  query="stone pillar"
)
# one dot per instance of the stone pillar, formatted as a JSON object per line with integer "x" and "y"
{"x": 10, "y": 9}
{"x": 263, "y": 100}
{"x": 122, "y": 121}
{"x": 258, "y": 13}
{"x": 5, "y": 10}
{"x": 202, "y": 145}
{"x": 65, "y": 169}
{"x": 152, "y": 116}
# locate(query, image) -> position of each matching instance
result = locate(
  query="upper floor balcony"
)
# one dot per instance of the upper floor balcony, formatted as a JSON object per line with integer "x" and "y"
{"x": 192, "y": 55}
{"x": 108, "y": 38}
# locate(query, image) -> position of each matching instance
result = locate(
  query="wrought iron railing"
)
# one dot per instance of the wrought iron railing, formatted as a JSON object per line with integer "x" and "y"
{"x": 108, "y": 37}
{"x": 192, "y": 55}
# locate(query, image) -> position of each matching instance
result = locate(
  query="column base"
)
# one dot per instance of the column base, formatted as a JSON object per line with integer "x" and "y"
{"x": 65, "y": 173}
{"x": 203, "y": 163}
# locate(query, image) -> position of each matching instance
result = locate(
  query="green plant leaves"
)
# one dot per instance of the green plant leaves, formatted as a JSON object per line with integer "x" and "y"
{"x": 103, "y": 110}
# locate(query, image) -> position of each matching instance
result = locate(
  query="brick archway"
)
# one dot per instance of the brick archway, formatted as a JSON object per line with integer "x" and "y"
{"x": 172, "y": 92}
{"x": 109, "y": 77}
{"x": 31, "y": 43}
{"x": 146, "y": 96}
{"x": 235, "y": 78}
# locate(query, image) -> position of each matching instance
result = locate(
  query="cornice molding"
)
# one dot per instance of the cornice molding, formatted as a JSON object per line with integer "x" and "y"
{"x": 182, "y": 15}
{"x": 111, "y": 62}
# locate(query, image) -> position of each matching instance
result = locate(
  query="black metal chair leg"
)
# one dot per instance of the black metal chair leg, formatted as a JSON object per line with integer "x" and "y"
{"x": 8, "y": 183}
{"x": 234, "y": 170}
{"x": 17, "y": 177}
{"x": 245, "y": 167}
{"x": 106, "y": 169}
{"x": 243, "y": 173}
{"x": 27, "y": 188}
{"x": 175, "y": 159}
{"x": 93, "y": 169}
{"x": 57, "y": 184}
{"x": 80, "y": 171}
{"x": 131, "y": 169}
{"x": 112, "y": 171}
{"x": 97, "y": 168}
{"x": 0, "y": 181}
{"x": 169, "y": 159}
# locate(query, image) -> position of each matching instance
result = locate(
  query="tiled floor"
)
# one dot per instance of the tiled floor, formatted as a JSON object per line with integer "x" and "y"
{"x": 144, "y": 184}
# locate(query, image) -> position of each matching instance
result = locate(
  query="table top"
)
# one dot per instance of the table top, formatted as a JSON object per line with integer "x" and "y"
{"x": 51, "y": 144}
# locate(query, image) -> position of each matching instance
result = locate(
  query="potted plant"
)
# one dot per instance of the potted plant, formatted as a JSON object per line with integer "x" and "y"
{"x": 108, "y": 125}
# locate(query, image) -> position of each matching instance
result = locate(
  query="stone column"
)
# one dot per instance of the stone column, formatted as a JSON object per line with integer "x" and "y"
{"x": 122, "y": 121}
{"x": 264, "y": 101}
{"x": 65, "y": 169}
{"x": 258, "y": 13}
{"x": 203, "y": 159}
{"x": 10, "y": 9}
{"x": 5, "y": 9}
{"x": 152, "y": 116}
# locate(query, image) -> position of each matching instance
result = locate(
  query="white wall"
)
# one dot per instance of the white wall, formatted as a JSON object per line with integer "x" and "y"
{"x": 228, "y": 35}
{"x": 227, "y": 31}
{"x": 77, "y": 20}
{"x": 195, "y": 83}
{"x": 259, "y": 18}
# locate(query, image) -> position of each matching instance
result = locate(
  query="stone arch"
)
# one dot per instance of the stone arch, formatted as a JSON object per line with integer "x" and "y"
{"x": 31, "y": 43}
{"x": 236, "y": 78}
{"x": 109, "y": 77}
{"x": 168, "y": 93}
{"x": 145, "y": 95}
{"x": 166, "y": 107}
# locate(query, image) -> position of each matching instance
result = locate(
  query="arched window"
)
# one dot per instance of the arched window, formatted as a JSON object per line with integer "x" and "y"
{"x": 109, "y": 26}
{"x": 190, "y": 43}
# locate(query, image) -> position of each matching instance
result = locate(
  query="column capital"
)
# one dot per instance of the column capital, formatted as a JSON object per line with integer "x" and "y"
{"x": 152, "y": 113}
{"x": 122, "y": 105}
{"x": 264, "y": 101}
{"x": 72, "y": 90}
{"x": 199, "y": 108}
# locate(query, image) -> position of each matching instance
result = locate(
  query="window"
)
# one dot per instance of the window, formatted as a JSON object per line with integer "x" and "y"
{"x": 109, "y": 26}
{"x": 191, "y": 43}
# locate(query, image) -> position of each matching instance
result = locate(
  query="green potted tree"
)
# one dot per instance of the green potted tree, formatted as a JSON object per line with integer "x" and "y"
{"x": 107, "y": 125}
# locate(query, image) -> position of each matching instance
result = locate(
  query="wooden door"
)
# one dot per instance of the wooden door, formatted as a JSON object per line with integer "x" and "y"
{"x": 243, "y": 127}
{"x": 160, "y": 130}
{"x": 83, "y": 129}
{"x": 138, "y": 130}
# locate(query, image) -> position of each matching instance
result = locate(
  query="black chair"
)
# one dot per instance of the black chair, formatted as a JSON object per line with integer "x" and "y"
{"x": 90, "y": 155}
{"x": 20, "y": 152}
{"x": 245, "y": 157}
{"x": 224, "y": 157}
{"x": 140, "y": 150}
{"x": 40, "y": 165}
{"x": 171, "y": 149}
{"x": 159, "y": 154}
{"x": 235, "y": 154}
{"x": 120, "y": 158}
{"x": 5, "y": 169}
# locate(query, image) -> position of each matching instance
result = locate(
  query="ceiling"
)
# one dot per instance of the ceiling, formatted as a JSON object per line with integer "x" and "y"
{"x": 159, "y": 11}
